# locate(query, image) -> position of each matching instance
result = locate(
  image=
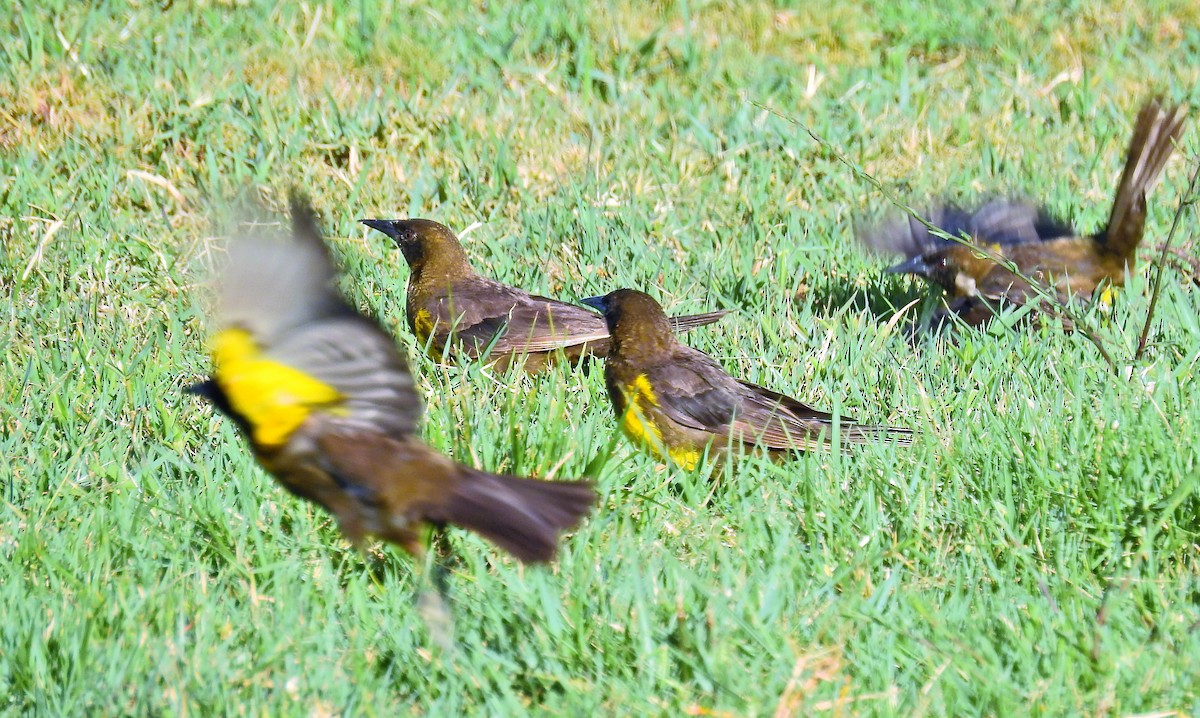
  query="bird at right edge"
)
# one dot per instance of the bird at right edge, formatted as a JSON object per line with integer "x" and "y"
{"x": 1051, "y": 258}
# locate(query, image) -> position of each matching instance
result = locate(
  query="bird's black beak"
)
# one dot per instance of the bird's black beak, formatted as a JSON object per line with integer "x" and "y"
{"x": 206, "y": 389}
{"x": 600, "y": 304}
{"x": 917, "y": 265}
{"x": 211, "y": 392}
{"x": 387, "y": 226}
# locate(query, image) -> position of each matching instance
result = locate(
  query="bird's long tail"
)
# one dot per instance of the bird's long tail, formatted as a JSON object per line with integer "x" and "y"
{"x": 521, "y": 516}
{"x": 1155, "y": 133}
{"x": 868, "y": 434}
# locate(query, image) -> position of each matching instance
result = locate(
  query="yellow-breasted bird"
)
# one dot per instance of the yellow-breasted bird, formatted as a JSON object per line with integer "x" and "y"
{"x": 1051, "y": 253}
{"x": 676, "y": 401}
{"x": 328, "y": 406}
{"x": 449, "y": 303}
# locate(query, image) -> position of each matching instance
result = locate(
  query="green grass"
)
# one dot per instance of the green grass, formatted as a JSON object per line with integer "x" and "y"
{"x": 1036, "y": 551}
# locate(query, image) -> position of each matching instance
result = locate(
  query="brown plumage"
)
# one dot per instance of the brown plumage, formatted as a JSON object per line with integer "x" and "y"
{"x": 449, "y": 304}
{"x": 328, "y": 406}
{"x": 675, "y": 401}
{"x": 1050, "y": 253}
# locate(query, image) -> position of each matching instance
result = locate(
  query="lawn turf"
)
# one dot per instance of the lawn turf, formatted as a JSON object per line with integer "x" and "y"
{"x": 1035, "y": 552}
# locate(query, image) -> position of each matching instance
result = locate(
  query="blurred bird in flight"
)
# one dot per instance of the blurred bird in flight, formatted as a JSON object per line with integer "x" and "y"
{"x": 1046, "y": 254}
{"x": 328, "y": 407}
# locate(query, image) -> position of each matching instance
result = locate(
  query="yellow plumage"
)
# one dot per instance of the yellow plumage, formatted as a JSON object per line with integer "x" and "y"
{"x": 274, "y": 398}
{"x": 643, "y": 431}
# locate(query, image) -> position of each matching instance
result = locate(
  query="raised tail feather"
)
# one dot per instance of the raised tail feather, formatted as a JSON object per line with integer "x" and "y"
{"x": 1155, "y": 133}
{"x": 691, "y": 321}
{"x": 521, "y": 516}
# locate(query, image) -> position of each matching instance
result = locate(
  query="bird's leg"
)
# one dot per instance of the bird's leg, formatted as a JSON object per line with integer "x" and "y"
{"x": 431, "y": 578}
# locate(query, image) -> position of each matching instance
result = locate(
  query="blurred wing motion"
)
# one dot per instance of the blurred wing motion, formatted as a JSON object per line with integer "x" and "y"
{"x": 999, "y": 222}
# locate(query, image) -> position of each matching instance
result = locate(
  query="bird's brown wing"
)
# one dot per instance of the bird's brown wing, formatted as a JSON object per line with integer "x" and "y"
{"x": 796, "y": 407}
{"x": 374, "y": 483}
{"x": 539, "y": 324}
{"x": 787, "y": 423}
{"x": 481, "y": 313}
{"x": 695, "y": 391}
{"x": 688, "y": 322}
{"x": 391, "y": 487}
{"x": 762, "y": 418}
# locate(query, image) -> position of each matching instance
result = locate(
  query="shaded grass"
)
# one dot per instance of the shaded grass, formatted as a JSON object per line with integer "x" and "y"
{"x": 1035, "y": 552}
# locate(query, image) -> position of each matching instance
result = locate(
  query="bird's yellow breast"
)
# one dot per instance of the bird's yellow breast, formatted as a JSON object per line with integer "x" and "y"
{"x": 274, "y": 398}
{"x": 639, "y": 397}
{"x": 423, "y": 325}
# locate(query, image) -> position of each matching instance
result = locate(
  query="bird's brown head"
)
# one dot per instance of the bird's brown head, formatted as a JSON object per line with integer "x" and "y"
{"x": 637, "y": 323}
{"x": 955, "y": 268}
{"x": 427, "y": 245}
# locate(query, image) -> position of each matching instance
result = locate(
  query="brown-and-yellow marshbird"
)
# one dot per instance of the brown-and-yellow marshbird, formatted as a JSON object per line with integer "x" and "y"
{"x": 1052, "y": 254}
{"x": 328, "y": 407}
{"x": 449, "y": 303}
{"x": 677, "y": 402}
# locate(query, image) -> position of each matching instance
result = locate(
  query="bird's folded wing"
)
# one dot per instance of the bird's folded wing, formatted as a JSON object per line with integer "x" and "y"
{"x": 483, "y": 312}
{"x": 694, "y": 391}
{"x": 766, "y": 418}
{"x": 778, "y": 421}
{"x": 797, "y": 408}
{"x": 687, "y": 322}
{"x": 379, "y": 469}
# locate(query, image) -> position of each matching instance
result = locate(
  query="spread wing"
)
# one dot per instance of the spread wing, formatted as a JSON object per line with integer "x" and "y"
{"x": 1004, "y": 222}
{"x": 359, "y": 360}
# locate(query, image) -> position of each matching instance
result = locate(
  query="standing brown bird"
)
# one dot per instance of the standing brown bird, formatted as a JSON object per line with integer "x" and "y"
{"x": 450, "y": 304}
{"x": 328, "y": 406}
{"x": 675, "y": 401}
{"x": 1050, "y": 254}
